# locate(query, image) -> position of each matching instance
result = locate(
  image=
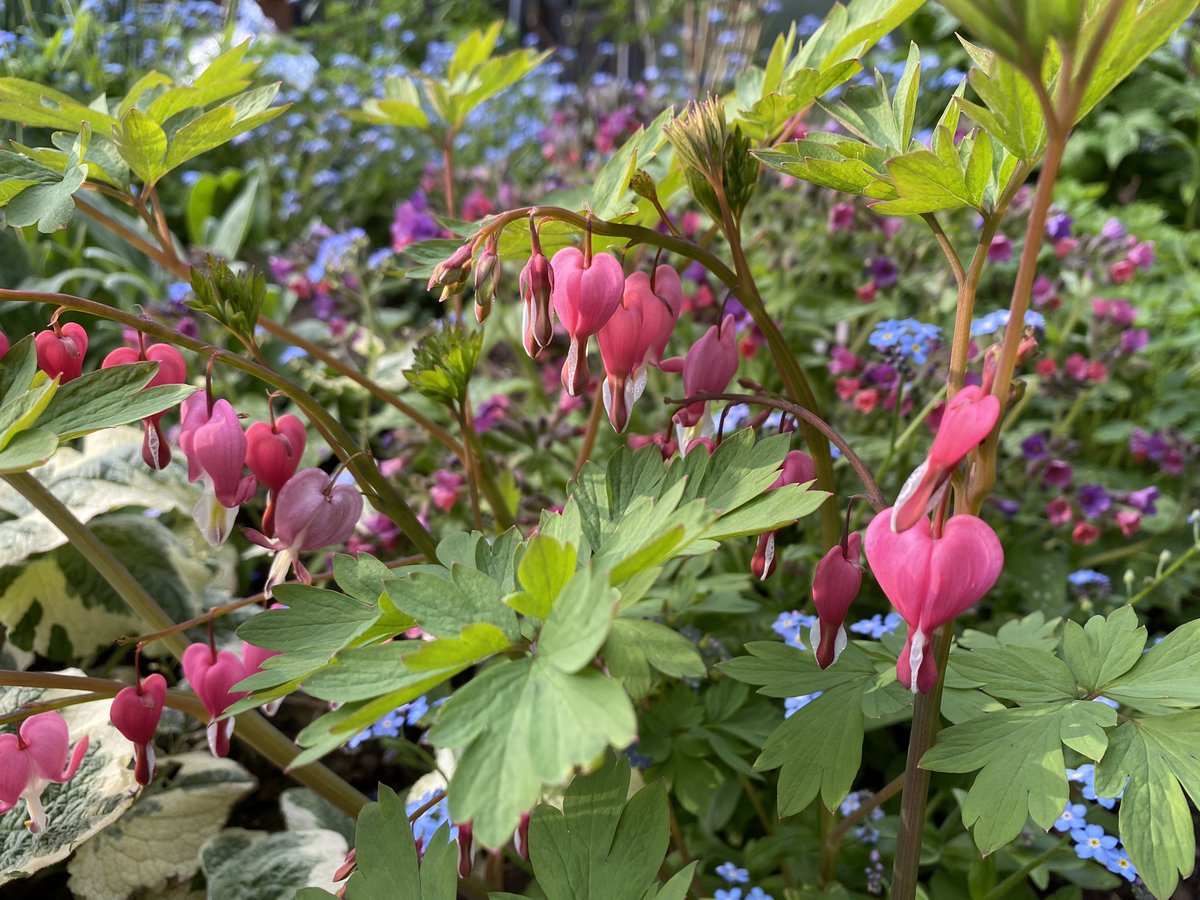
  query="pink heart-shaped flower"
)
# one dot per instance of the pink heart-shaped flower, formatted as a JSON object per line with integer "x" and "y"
{"x": 273, "y": 453}
{"x": 135, "y": 714}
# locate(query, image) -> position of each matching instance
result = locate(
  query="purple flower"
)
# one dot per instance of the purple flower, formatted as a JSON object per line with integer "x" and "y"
{"x": 1034, "y": 446}
{"x": 1112, "y": 230}
{"x": 841, "y": 218}
{"x": 1142, "y": 501}
{"x": 1058, "y": 226}
{"x": 1043, "y": 290}
{"x": 1144, "y": 445}
{"x": 1057, "y": 473}
{"x": 1122, "y": 313}
{"x": 1093, "y": 500}
{"x": 490, "y": 413}
{"x": 1000, "y": 249}
{"x": 413, "y": 222}
{"x": 883, "y": 271}
{"x": 695, "y": 272}
{"x": 1142, "y": 255}
{"x": 1008, "y": 508}
{"x": 1134, "y": 339}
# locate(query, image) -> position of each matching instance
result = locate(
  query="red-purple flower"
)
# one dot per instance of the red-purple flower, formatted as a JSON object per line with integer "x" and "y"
{"x": 1057, "y": 474}
{"x": 708, "y": 368}
{"x": 135, "y": 713}
{"x": 931, "y": 580}
{"x": 212, "y": 675}
{"x": 34, "y": 757}
{"x": 171, "y": 370}
{"x": 60, "y": 350}
{"x": 836, "y": 583}
{"x": 273, "y": 451}
{"x": 797, "y": 468}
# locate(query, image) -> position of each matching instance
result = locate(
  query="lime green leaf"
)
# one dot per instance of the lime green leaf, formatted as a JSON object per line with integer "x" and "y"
{"x": 1166, "y": 678}
{"x": 108, "y": 397}
{"x": 1104, "y": 649}
{"x": 394, "y": 112}
{"x": 23, "y": 410}
{"x": 577, "y": 626}
{"x": 598, "y": 846}
{"x": 36, "y": 106}
{"x": 444, "y": 606}
{"x": 545, "y": 568}
{"x": 1158, "y": 757}
{"x": 610, "y": 186}
{"x": 17, "y": 368}
{"x": 28, "y": 450}
{"x": 1018, "y": 753}
{"x": 904, "y": 102}
{"x": 524, "y": 724}
{"x": 143, "y": 145}
{"x": 312, "y": 620}
{"x": 478, "y": 641}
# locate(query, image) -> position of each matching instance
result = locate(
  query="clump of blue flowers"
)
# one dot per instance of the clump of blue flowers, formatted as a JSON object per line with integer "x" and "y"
{"x": 1091, "y": 840}
{"x": 998, "y": 320}
{"x": 906, "y": 339}
{"x": 864, "y": 831}
{"x": 1089, "y": 582}
{"x": 432, "y": 819}
{"x": 391, "y": 725}
{"x": 734, "y": 875}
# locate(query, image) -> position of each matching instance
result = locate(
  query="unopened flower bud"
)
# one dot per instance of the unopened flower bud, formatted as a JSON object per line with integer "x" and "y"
{"x": 453, "y": 271}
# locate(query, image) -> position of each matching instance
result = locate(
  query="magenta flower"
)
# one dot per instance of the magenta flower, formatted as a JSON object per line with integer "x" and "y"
{"x": 413, "y": 222}
{"x": 172, "y": 369}
{"x": 930, "y": 581}
{"x": 836, "y": 583}
{"x": 1001, "y": 248}
{"x": 444, "y": 492}
{"x": 797, "y": 468}
{"x": 1143, "y": 500}
{"x": 586, "y": 294}
{"x": 1142, "y": 254}
{"x": 1059, "y": 511}
{"x": 841, "y": 217}
{"x": 60, "y": 350}
{"x": 135, "y": 713}
{"x": 1057, "y": 474}
{"x": 212, "y": 439}
{"x": 212, "y": 675}
{"x": 536, "y": 283}
{"x": 1134, "y": 339}
{"x": 708, "y": 368}
{"x": 968, "y": 420}
{"x": 312, "y": 512}
{"x": 273, "y": 451}
{"x": 34, "y": 757}
{"x": 1043, "y": 290}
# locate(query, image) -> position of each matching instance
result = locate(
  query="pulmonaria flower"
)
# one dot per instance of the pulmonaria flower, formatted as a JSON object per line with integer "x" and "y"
{"x": 172, "y": 369}
{"x": 841, "y": 217}
{"x": 866, "y": 292}
{"x": 212, "y": 675}
{"x": 797, "y": 468}
{"x": 587, "y": 291}
{"x": 1112, "y": 230}
{"x": 1058, "y": 226}
{"x": 1057, "y": 474}
{"x": 883, "y": 270}
{"x": 60, "y": 350}
{"x": 1034, "y": 446}
{"x": 477, "y": 204}
{"x": 446, "y": 485}
{"x": 708, "y": 368}
{"x": 836, "y": 582}
{"x": 273, "y": 451}
{"x": 1093, "y": 499}
{"x": 491, "y": 412}
{"x": 1143, "y": 500}
{"x": 1142, "y": 254}
{"x": 1085, "y": 533}
{"x": 1134, "y": 339}
{"x": 1121, "y": 271}
{"x": 866, "y": 401}
{"x": 1043, "y": 292}
{"x": 135, "y": 713}
{"x": 414, "y": 222}
{"x": 1064, "y": 247}
{"x": 1000, "y": 249}
{"x": 1059, "y": 511}
{"x": 842, "y": 361}
{"x": 212, "y": 439}
{"x": 930, "y": 581}
{"x": 312, "y": 512}
{"x": 34, "y": 757}
{"x": 1129, "y": 521}
{"x": 967, "y": 421}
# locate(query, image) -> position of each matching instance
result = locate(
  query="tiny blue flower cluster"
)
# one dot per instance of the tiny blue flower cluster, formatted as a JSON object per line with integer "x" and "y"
{"x": 427, "y": 824}
{"x": 994, "y": 321}
{"x": 1091, "y": 841}
{"x": 733, "y": 875}
{"x": 906, "y": 338}
{"x": 391, "y": 725}
{"x": 864, "y": 831}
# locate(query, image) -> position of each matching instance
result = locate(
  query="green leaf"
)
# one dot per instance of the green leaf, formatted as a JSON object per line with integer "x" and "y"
{"x": 385, "y": 851}
{"x": 36, "y": 106}
{"x": 610, "y": 186}
{"x": 600, "y": 847}
{"x": 362, "y": 576}
{"x": 1034, "y": 630}
{"x": 17, "y": 369}
{"x": 478, "y": 641}
{"x": 108, "y": 397}
{"x": 523, "y": 724}
{"x": 23, "y": 410}
{"x": 577, "y": 626}
{"x": 1104, "y": 649}
{"x": 1166, "y": 677}
{"x": 1017, "y": 673}
{"x": 313, "y": 621}
{"x": 1158, "y": 757}
{"x": 28, "y": 450}
{"x": 904, "y": 101}
{"x": 659, "y": 646}
{"x": 444, "y": 606}
{"x": 546, "y": 567}
{"x": 142, "y": 144}
{"x": 50, "y": 204}
{"x": 1018, "y": 753}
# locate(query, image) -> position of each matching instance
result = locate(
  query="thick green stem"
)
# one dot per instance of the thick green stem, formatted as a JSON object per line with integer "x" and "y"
{"x": 361, "y": 465}
{"x": 925, "y": 724}
{"x": 252, "y": 728}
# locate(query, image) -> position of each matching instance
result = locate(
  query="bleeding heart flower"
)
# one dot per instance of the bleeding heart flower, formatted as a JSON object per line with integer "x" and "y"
{"x": 135, "y": 713}
{"x": 60, "y": 350}
{"x": 273, "y": 451}
{"x": 33, "y": 758}
{"x": 662, "y": 301}
{"x": 586, "y": 294}
{"x": 212, "y": 675}
{"x": 836, "y": 583}
{"x": 968, "y": 420}
{"x": 708, "y": 368}
{"x": 212, "y": 439}
{"x": 311, "y": 513}
{"x": 172, "y": 369}
{"x": 797, "y": 468}
{"x": 931, "y": 580}
{"x": 536, "y": 283}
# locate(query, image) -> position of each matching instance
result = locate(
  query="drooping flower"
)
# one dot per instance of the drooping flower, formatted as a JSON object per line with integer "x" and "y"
{"x": 273, "y": 451}
{"x": 797, "y": 468}
{"x": 135, "y": 713}
{"x": 312, "y": 513}
{"x": 1093, "y": 499}
{"x": 34, "y": 757}
{"x": 60, "y": 350}
{"x": 536, "y": 284}
{"x": 931, "y": 581}
{"x": 968, "y": 420}
{"x": 1143, "y": 501}
{"x": 172, "y": 369}
{"x": 212, "y": 675}
{"x": 836, "y": 583}
{"x": 708, "y": 368}
{"x": 212, "y": 439}
{"x": 586, "y": 294}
